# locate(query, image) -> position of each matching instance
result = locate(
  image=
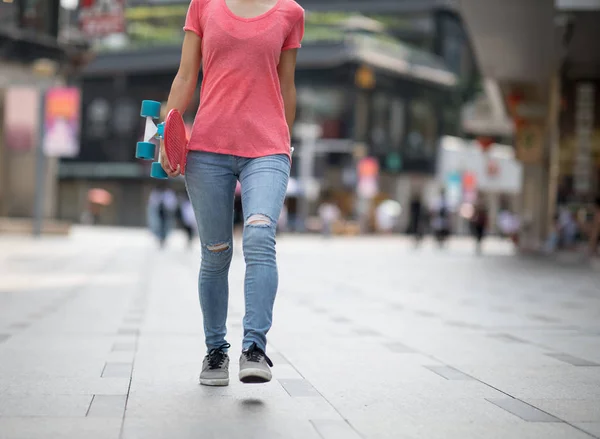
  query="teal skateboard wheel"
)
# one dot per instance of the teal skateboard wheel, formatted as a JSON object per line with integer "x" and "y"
{"x": 150, "y": 109}
{"x": 158, "y": 172}
{"x": 145, "y": 150}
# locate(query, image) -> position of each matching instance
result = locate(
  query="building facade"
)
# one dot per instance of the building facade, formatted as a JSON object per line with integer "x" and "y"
{"x": 399, "y": 118}
{"x": 32, "y": 57}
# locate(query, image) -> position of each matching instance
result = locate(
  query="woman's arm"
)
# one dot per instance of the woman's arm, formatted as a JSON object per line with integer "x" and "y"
{"x": 184, "y": 85}
{"x": 287, "y": 81}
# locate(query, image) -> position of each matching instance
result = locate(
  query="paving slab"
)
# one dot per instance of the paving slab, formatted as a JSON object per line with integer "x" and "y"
{"x": 371, "y": 339}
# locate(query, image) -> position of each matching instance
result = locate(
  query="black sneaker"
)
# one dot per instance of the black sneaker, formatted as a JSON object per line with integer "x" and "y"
{"x": 255, "y": 366}
{"x": 215, "y": 368}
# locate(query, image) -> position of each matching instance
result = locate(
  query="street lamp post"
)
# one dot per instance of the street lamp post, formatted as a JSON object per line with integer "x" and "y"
{"x": 308, "y": 132}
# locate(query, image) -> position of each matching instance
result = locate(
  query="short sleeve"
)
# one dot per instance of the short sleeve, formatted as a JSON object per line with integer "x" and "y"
{"x": 192, "y": 19}
{"x": 294, "y": 38}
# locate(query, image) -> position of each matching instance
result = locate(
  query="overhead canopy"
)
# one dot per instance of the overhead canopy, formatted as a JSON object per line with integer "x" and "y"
{"x": 514, "y": 40}
{"x": 337, "y": 49}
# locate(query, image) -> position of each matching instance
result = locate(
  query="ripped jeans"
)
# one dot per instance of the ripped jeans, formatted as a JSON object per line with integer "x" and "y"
{"x": 211, "y": 181}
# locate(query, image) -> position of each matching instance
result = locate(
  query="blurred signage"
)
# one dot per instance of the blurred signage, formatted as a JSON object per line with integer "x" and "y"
{"x": 529, "y": 143}
{"x": 368, "y": 171}
{"x": 61, "y": 122}
{"x": 21, "y": 118}
{"x": 365, "y": 77}
{"x": 584, "y": 126}
{"x": 469, "y": 186}
{"x": 368, "y": 168}
{"x": 454, "y": 189}
{"x": 100, "y": 18}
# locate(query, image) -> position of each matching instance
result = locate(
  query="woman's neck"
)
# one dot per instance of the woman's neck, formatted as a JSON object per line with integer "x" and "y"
{"x": 250, "y": 8}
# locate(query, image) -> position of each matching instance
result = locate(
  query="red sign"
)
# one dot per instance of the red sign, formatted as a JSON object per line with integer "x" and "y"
{"x": 100, "y": 18}
{"x": 368, "y": 168}
{"x": 61, "y": 122}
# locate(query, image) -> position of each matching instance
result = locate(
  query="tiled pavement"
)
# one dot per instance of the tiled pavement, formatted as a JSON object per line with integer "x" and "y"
{"x": 100, "y": 337}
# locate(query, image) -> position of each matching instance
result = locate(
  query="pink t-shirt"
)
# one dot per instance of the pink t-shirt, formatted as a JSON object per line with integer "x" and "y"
{"x": 241, "y": 106}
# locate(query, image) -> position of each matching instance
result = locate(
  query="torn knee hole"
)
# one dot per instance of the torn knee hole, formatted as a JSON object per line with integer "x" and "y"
{"x": 258, "y": 220}
{"x": 218, "y": 248}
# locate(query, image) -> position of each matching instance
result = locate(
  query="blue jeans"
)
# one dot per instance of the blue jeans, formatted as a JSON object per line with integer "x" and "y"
{"x": 211, "y": 180}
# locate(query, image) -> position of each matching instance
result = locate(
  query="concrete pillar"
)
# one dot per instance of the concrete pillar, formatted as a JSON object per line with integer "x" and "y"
{"x": 534, "y": 207}
{"x": 540, "y": 179}
{"x": 494, "y": 210}
{"x": 18, "y": 168}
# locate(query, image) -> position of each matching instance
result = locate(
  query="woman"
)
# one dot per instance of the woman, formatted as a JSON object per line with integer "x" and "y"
{"x": 242, "y": 132}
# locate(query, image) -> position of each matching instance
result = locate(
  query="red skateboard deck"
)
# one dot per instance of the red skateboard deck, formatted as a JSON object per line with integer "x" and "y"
{"x": 176, "y": 141}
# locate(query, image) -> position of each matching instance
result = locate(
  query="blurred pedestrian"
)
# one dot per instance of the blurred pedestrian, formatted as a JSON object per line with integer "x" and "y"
{"x": 329, "y": 214}
{"x": 595, "y": 229}
{"x": 162, "y": 207}
{"x": 509, "y": 225}
{"x": 479, "y": 224}
{"x": 387, "y": 215}
{"x": 187, "y": 219}
{"x": 440, "y": 219}
{"x": 282, "y": 222}
{"x": 247, "y": 50}
{"x": 568, "y": 229}
{"x": 416, "y": 225}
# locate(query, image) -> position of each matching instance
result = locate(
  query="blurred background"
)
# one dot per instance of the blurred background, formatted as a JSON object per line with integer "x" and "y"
{"x": 450, "y": 120}
{"x": 428, "y": 116}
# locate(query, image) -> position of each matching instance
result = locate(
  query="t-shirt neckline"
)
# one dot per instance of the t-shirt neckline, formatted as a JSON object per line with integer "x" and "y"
{"x": 258, "y": 17}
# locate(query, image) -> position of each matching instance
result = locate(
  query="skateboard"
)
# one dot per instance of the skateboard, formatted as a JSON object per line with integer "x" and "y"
{"x": 171, "y": 131}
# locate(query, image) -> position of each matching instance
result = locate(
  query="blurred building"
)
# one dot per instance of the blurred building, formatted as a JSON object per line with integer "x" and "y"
{"x": 384, "y": 78}
{"x": 543, "y": 58}
{"x": 471, "y": 175}
{"x": 32, "y": 58}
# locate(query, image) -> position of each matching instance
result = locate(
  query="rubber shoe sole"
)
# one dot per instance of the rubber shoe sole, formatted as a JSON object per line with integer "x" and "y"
{"x": 255, "y": 376}
{"x": 215, "y": 382}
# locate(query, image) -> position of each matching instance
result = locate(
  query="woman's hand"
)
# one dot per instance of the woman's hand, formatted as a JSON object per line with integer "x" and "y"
{"x": 164, "y": 162}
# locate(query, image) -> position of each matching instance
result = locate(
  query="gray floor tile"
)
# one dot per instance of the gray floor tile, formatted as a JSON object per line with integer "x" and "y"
{"x": 566, "y": 358}
{"x": 228, "y": 426}
{"x": 59, "y": 428}
{"x": 335, "y": 430}
{"x": 128, "y": 331}
{"x": 449, "y": 373}
{"x": 277, "y": 358}
{"x": 399, "y": 348}
{"x": 592, "y": 428}
{"x": 367, "y": 332}
{"x": 544, "y": 318}
{"x": 44, "y": 405}
{"x": 297, "y": 388}
{"x": 402, "y": 428}
{"x": 117, "y": 370}
{"x": 523, "y": 410}
{"x": 127, "y": 346}
{"x": 508, "y": 338}
{"x": 570, "y": 410}
{"x": 340, "y": 319}
{"x": 107, "y": 406}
